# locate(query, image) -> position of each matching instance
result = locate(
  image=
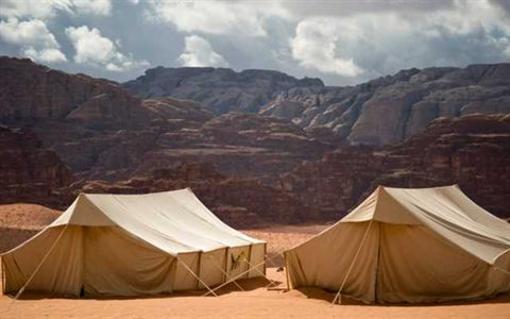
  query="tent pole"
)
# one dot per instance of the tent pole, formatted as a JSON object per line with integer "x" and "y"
{"x": 249, "y": 258}
{"x": 199, "y": 268}
{"x": 3, "y": 274}
{"x": 265, "y": 253}
{"x": 287, "y": 276}
{"x": 196, "y": 277}
{"x": 226, "y": 264}
{"x": 338, "y": 294}
{"x": 18, "y": 294}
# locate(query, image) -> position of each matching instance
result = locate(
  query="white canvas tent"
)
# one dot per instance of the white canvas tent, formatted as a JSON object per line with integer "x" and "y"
{"x": 128, "y": 245}
{"x": 408, "y": 245}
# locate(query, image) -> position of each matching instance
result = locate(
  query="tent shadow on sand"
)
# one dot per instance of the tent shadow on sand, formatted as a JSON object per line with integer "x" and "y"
{"x": 327, "y": 296}
{"x": 247, "y": 284}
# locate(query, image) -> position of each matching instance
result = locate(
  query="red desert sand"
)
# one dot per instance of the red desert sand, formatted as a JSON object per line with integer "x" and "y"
{"x": 256, "y": 301}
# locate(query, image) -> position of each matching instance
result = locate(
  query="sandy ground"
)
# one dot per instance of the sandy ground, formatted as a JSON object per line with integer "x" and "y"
{"x": 257, "y": 301}
{"x": 26, "y": 216}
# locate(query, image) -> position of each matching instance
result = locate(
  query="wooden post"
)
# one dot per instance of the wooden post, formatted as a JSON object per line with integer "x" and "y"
{"x": 199, "y": 268}
{"x": 226, "y": 265}
{"x": 249, "y": 259}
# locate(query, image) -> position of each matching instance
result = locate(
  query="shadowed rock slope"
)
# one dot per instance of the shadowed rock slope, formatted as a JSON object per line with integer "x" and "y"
{"x": 29, "y": 172}
{"x": 472, "y": 151}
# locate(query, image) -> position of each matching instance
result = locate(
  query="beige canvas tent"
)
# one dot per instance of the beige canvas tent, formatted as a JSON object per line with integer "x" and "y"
{"x": 128, "y": 245}
{"x": 408, "y": 245}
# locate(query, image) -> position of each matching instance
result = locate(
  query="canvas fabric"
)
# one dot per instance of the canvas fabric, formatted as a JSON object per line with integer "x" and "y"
{"x": 420, "y": 245}
{"x": 129, "y": 245}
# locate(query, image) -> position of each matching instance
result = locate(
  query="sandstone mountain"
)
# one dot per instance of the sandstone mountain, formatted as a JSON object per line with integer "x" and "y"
{"x": 472, "y": 151}
{"x": 102, "y": 132}
{"x": 27, "y": 170}
{"x": 221, "y": 90}
{"x": 31, "y": 93}
{"x": 382, "y": 111}
{"x": 261, "y": 161}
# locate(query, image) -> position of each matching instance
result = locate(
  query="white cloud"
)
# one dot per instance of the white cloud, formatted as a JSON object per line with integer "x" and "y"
{"x": 216, "y": 17}
{"x": 199, "y": 52}
{"x": 34, "y": 38}
{"x": 40, "y": 9}
{"x": 383, "y": 42}
{"x": 45, "y": 55}
{"x": 94, "y": 49}
{"x": 315, "y": 46}
{"x": 97, "y": 7}
{"x": 45, "y": 9}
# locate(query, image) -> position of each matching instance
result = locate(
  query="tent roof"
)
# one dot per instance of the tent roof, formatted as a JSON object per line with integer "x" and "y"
{"x": 446, "y": 210}
{"x": 175, "y": 221}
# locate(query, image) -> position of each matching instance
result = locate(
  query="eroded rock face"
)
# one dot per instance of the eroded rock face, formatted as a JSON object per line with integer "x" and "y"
{"x": 379, "y": 112}
{"x": 238, "y": 144}
{"x": 220, "y": 89}
{"x": 472, "y": 151}
{"x": 32, "y": 92}
{"x": 390, "y": 109}
{"x": 29, "y": 172}
{"x": 253, "y": 167}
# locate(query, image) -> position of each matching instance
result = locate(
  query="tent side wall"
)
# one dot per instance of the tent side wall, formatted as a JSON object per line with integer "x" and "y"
{"x": 499, "y": 276}
{"x": 397, "y": 263}
{"x": 110, "y": 261}
{"x": 417, "y": 265}
{"x": 116, "y": 263}
{"x": 325, "y": 260}
{"x": 61, "y": 272}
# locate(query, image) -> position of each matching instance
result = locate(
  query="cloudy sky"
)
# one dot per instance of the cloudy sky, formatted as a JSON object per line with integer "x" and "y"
{"x": 342, "y": 42}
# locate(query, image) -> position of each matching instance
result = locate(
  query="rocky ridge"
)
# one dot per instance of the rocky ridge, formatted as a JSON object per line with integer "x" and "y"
{"x": 222, "y": 90}
{"x": 407, "y": 100}
{"x": 250, "y": 168}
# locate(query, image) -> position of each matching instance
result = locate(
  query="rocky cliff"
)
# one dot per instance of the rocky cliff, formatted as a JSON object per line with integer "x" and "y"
{"x": 379, "y": 112}
{"x": 390, "y": 109}
{"x": 261, "y": 166}
{"x": 102, "y": 132}
{"x": 472, "y": 151}
{"x": 29, "y": 172}
{"x": 220, "y": 89}
{"x": 31, "y": 92}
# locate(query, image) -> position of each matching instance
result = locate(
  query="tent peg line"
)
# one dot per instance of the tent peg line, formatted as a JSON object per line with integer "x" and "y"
{"x": 225, "y": 273}
{"x": 243, "y": 273}
{"x": 43, "y": 260}
{"x": 338, "y": 295}
{"x": 196, "y": 277}
{"x": 271, "y": 282}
